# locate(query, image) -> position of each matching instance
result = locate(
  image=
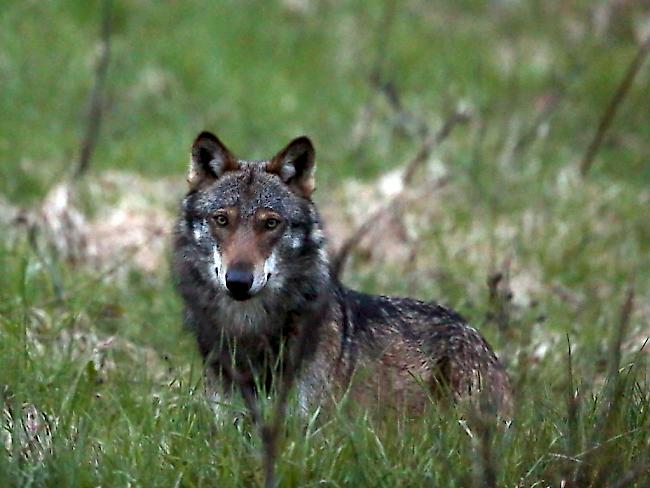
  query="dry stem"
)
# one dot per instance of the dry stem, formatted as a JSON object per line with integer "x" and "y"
{"x": 613, "y": 106}
{"x": 96, "y": 103}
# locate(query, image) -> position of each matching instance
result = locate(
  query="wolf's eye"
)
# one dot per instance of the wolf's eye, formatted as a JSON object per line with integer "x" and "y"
{"x": 221, "y": 220}
{"x": 271, "y": 223}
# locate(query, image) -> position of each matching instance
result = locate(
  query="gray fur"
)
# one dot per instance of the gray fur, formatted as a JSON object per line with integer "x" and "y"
{"x": 408, "y": 349}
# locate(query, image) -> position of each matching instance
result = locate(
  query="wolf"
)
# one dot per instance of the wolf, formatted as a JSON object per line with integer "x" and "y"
{"x": 250, "y": 263}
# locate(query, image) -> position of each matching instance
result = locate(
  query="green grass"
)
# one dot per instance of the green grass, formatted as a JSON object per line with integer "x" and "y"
{"x": 101, "y": 360}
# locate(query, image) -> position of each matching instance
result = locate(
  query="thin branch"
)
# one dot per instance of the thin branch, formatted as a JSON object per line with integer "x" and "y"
{"x": 431, "y": 142}
{"x": 377, "y": 73}
{"x": 405, "y": 120}
{"x": 550, "y": 106}
{"x": 393, "y": 205}
{"x": 617, "y": 340}
{"x": 384, "y": 33}
{"x": 96, "y": 101}
{"x": 613, "y": 106}
{"x": 500, "y": 297}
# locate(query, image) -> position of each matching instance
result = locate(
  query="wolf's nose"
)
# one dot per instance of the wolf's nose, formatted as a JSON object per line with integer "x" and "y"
{"x": 239, "y": 283}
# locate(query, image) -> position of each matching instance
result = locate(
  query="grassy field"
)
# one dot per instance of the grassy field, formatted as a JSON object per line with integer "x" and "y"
{"x": 101, "y": 386}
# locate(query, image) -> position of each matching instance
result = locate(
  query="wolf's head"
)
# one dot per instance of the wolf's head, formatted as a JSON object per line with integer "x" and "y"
{"x": 250, "y": 225}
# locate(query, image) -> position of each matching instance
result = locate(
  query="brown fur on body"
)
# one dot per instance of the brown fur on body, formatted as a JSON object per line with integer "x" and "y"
{"x": 402, "y": 353}
{"x": 251, "y": 266}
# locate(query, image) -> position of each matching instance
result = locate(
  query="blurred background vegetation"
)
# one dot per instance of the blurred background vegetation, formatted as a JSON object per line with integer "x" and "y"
{"x": 99, "y": 382}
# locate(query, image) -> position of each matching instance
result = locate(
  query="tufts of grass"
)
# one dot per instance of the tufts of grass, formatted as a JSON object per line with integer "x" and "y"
{"x": 100, "y": 385}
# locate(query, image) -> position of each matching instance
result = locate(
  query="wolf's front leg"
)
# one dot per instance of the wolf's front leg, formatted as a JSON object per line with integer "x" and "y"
{"x": 220, "y": 400}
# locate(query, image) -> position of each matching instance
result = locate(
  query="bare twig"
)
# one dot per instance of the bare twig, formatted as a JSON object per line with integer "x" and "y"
{"x": 551, "y": 103}
{"x": 619, "y": 335}
{"x": 384, "y": 34}
{"x": 613, "y": 106}
{"x": 431, "y": 142}
{"x": 377, "y": 73}
{"x": 406, "y": 121}
{"x": 96, "y": 100}
{"x": 500, "y": 297}
{"x": 393, "y": 205}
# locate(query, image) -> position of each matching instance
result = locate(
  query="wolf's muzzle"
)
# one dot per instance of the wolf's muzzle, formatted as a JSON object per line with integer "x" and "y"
{"x": 239, "y": 282}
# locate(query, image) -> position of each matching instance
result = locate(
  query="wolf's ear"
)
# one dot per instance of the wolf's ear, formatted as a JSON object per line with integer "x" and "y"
{"x": 295, "y": 166}
{"x": 209, "y": 160}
